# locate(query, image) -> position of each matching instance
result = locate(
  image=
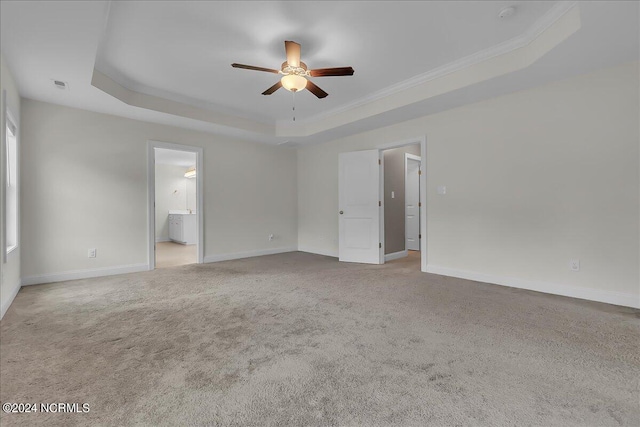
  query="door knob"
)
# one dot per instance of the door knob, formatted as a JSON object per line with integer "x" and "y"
{"x": 341, "y": 212}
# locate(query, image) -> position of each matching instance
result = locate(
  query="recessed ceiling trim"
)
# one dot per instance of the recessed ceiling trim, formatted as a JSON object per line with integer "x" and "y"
{"x": 163, "y": 105}
{"x": 562, "y": 20}
{"x": 545, "y": 39}
{"x": 539, "y": 27}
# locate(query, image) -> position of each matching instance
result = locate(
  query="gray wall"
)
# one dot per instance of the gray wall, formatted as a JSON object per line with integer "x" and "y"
{"x": 394, "y": 208}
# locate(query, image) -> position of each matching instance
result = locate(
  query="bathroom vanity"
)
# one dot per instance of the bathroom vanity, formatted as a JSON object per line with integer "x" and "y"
{"x": 182, "y": 227}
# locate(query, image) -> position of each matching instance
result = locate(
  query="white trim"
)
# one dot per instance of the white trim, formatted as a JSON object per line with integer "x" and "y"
{"x": 310, "y": 250}
{"x": 83, "y": 274}
{"x": 553, "y": 14}
{"x": 9, "y": 119}
{"x": 381, "y": 205}
{"x": 114, "y": 84}
{"x": 411, "y": 157}
{"x": 609, "y": 297}
{"x": 422, "y": 140}
{"x": 249, "y": 254}
{"x": 396, "y": 255}
{"x": 408, "y": 157}
{"x": 151, "y": 194}
{"x": 7, "y": 303}
{"x": 163, "y": 240}
{"x": 3, "y": 175}
{"x": 117, "y": 85}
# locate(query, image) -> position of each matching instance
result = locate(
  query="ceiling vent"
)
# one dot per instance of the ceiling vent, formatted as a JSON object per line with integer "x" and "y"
{"x": 60, "y": 84}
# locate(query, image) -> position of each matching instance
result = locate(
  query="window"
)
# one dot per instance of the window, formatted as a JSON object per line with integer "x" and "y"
{"x": 12, "y": 186}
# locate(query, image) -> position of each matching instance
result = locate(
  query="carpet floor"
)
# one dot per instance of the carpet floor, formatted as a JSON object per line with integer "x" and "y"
{"x": 303, "y": 340}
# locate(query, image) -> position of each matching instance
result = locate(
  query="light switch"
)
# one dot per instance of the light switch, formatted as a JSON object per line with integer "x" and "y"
{"x": 393, "y": 194}
{"x": 442, "y": 189}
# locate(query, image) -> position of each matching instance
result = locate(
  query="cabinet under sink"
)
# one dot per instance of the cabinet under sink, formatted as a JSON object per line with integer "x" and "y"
{"x": 182, "y": 228}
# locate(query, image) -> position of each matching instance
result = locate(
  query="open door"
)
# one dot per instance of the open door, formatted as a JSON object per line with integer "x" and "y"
{"x": 412, "y": 202}
{"x": 359, "y": 207}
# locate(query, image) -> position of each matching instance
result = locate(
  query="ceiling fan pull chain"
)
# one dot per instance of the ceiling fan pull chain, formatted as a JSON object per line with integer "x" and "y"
{"x": 294, "y": 106}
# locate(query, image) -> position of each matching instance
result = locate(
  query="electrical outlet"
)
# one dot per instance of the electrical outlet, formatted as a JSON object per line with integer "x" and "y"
{"x": 574, "y": 265}
{"x": 92, "y": 253}
{"x": 271, "y": 237}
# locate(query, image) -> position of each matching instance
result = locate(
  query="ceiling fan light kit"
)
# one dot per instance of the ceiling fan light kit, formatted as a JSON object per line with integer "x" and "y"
{"x": 293, "y": 82}
{"x": 295, "y": 74}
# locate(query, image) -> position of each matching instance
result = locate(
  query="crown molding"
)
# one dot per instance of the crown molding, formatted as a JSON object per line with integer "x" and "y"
{"x": 540, "y": 26}
{"x": 108, "y": 85}
{"x": 517, "y": 53}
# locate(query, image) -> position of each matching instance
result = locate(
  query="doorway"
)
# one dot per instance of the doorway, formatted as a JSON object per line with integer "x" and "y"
{"x": 412, "y": 202}
{"x": 175, "y": 205}
{"x": 401, "y": 203}
{"x": 363, "y": 232}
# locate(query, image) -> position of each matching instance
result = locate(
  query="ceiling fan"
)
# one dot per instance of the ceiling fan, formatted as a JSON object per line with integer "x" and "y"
{"x": 296, "y": 74}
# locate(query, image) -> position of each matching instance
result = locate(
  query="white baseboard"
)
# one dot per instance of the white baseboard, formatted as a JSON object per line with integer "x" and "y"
{"x": 163, "y": 240}
{"x": 396, "y": 255}
{"x": 7, "y": 302}
{"x": 248, "y": 254}
{"x": 609, "y": 297}
{"x": 309, "y": 250}
{"x": 83, "y": 274}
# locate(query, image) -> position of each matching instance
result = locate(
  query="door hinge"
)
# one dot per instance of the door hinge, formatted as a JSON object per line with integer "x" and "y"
{"x": 380, "y": 245}
{"x": 419, "y": 204}
{"x": 419, "y": 172}
{"x": 419, "y": 236}
{"x": 379, "y": 161}
{"x": 379, "y": 203}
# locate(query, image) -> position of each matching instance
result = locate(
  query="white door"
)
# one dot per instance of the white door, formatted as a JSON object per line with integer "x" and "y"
{"x": 359, "y": 207}
{"x": 412, "y": 202}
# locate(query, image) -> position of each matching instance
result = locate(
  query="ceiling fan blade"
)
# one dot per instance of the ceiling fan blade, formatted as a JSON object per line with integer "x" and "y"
{"x": 327, "y": 72}
{"x": 272, "y": 89}
{"x": 311, "y": 87}
{"x": 293, "y": 53}
{"x": 251, "y": 67}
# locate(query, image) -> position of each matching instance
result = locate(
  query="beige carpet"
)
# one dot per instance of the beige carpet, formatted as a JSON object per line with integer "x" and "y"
{"x": 170, "y": 254}
{"x": 302, "y": 340}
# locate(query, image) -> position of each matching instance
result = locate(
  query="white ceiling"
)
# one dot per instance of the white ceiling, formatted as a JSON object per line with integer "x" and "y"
{"x": 164, "y": 156}
{"x": 182, "y": 51}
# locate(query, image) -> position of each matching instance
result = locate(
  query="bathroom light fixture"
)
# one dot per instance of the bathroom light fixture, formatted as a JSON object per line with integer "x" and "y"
{"x": 190, "y": 173}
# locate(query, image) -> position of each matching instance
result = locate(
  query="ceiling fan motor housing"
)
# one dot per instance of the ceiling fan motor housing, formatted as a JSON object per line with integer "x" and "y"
{"x": 287, "y": 69}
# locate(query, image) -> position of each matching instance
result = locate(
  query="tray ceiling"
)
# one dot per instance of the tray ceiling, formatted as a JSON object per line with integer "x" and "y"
{"x": 169, "y": 62}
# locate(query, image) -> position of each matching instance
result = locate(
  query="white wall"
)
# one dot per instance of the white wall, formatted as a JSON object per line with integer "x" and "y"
{"x": 9, "y": 272}
{"x": 86, "y": 187}
{"x": 191, "y": 194}
{"x": 533, "y": 178}
{"x": 173, "y": 192}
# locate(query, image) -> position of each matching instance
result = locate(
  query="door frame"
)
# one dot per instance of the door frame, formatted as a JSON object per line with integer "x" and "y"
{"x": 408, "y": 157}
{"x": 151, "y": 194}
{"x": 422, "y": 140}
